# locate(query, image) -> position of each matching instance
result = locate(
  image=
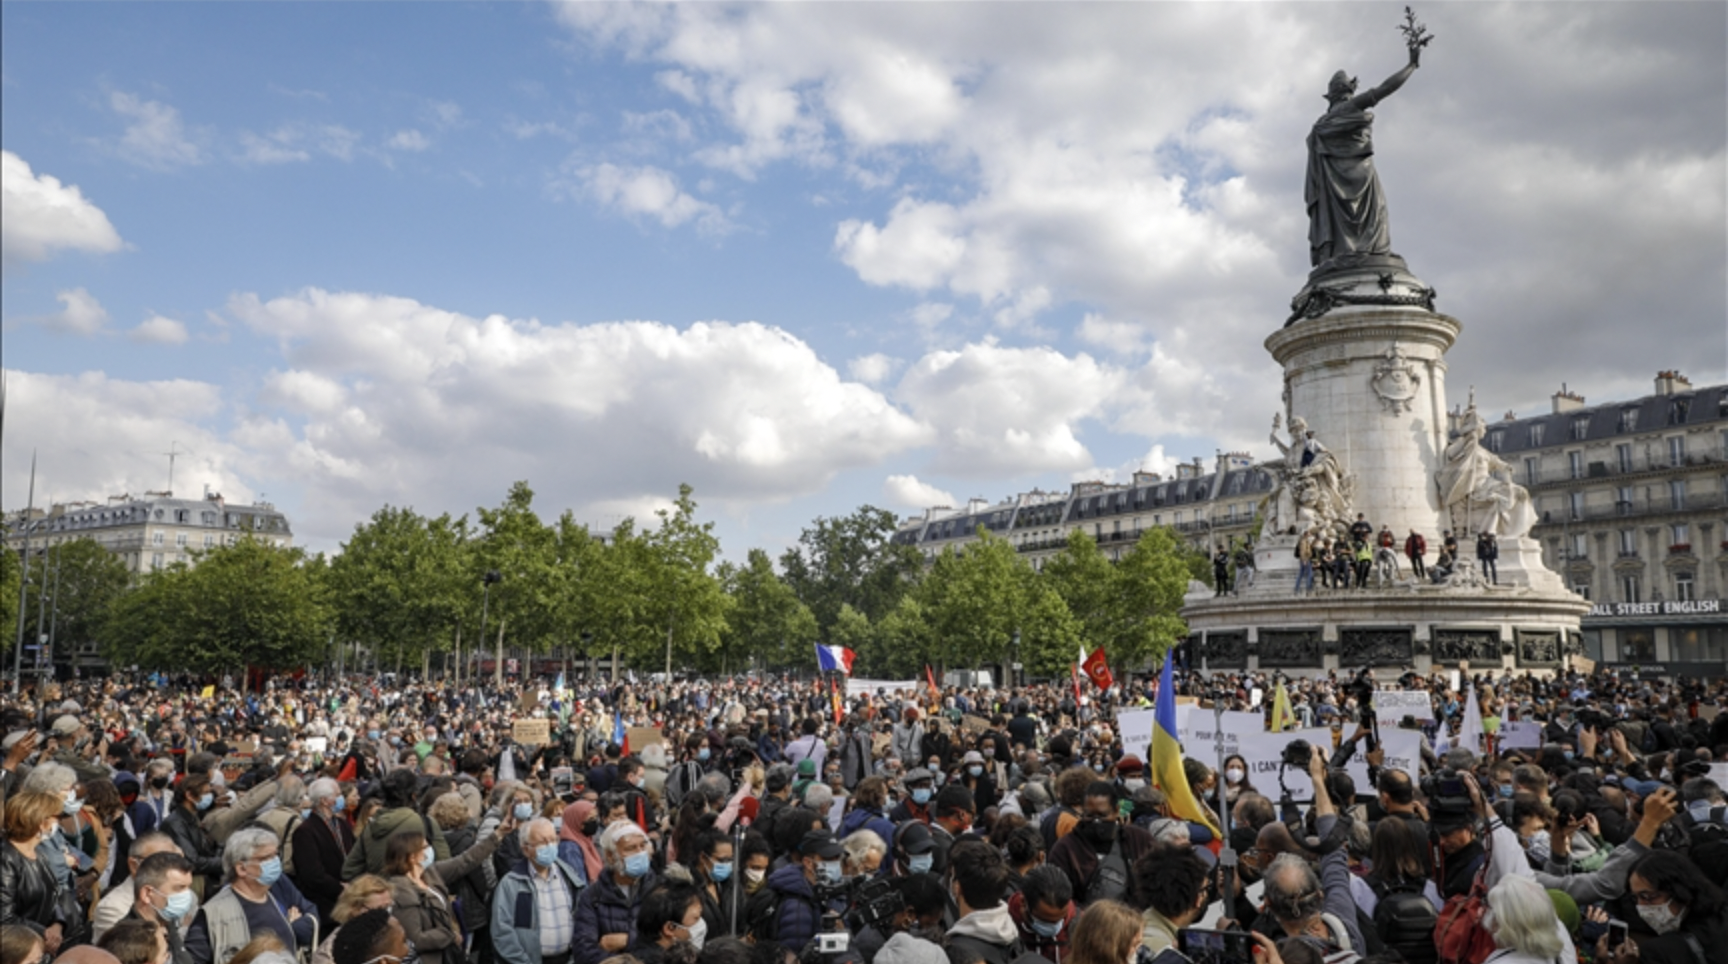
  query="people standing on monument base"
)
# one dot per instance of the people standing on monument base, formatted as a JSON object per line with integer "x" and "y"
{"x": 1305, "y": 552}
{"x": 1364, "y": 559}
{"x": 1220, "y": 572}
{"x": 1448, "y": 549}
{"x": 1361, "y": 530}
{"x": 1488, "y": 555}
{"x": 1415, "y": 547}
{"x": 1343, "y": 561}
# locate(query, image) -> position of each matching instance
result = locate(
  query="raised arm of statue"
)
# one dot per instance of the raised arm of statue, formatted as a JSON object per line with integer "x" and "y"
{"x": 1369, "y": 98}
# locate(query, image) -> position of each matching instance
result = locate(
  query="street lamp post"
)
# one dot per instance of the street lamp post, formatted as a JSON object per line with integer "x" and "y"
{"x": 1015, "y": 670}
{"x": 54, "y": 609}
{"x": 24, "y": 582}
{"x": 486, "y": 582}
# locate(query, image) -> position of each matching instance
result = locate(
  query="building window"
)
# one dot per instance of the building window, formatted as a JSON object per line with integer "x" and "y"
{"x": 1677, "y": 493}
{"x": 1678, "y": 410}
{"x": 1575, "y": 464}
{"x": 180, "y": 539}
{"x": 1699, "y": 644}
{"x": 1628, "y": 420}
{"x": 156, "y": 539}
{"x": 1496, "y": 439}
{"x": 1535, "y": 435}
{"x": 1177, "y": 519}
{"x": 1623, "y": 499}
{"x": 1679, "y": 534}
{"x": 1582, "y": 589}
{"x": 1575, "y": 504}
{"x": 1683, "y": 589}
{"x": 1580, "y": 546}
{"x": 156, "y": 560}
{"x": 1630, "y": 590}
{"x": 1580, "y": 429}
{"x": 1637, "y": 644}
{"x": 1623, "y": 452}
{"x": 1677, "y": 450}
{"x": 209, "y": 541}
{"x": 1531, "y": 473}
{"x": 1628, "y": 542}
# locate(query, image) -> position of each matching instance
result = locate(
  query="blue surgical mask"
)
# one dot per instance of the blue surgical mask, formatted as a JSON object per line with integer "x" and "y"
{"x": 546, "y": 854}
{"x": 206, "y": 800}
{"x": 305, "y": 813}
{"x": 178, "y": 906}
{"x": 1568, "y": 754}
{"x": 1506, "y": 791}
{"x": 270, "y": 871}
{"x": 722, "y": 872}
{"x": 636, "y": 866}
{"x": 920, "y": 863}
{"x": 372, "y": 735}
{"x": 428, "y": 855}
{"x": 703, "y": 754}
{"x": 976, "y": 771}
{"x": 72, "y": 804}
{"x": 1044, "y": 928}
{"x": 524, "y": 811}
{"x": 920, "y": 795}
{"x": 830, "y": 871}
{"x": 340, "y": 805}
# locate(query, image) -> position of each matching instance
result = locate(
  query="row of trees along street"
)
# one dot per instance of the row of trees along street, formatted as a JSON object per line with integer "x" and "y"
{"x": 409, "y": 591}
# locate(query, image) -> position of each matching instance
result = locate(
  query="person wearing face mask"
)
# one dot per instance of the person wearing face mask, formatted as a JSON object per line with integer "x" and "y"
{"x": 1044, "y": 911}
{"x": 1522, "y": 920}
{"x": 920, "y": 789}
{"x": 1236, "y": 778}
{"x": 367, "y": 854}
{"x": 258, "y": 899}
{"x": 607, "y": 909}
{"x": 27, "y": 886}
{"x": 321, "y": 844}
{"x": 163, "y": 885}
{"x": 576, "y": 835}
{"x": 975, "y": 776}
{"x": 1098, "y": 854}
{"x": 1680, "y": 915}
{"x": 789, "y": 910}
{"x": 118, "y": 901}
{"x": 718, "y": 883}
{"x": 671, "y": 914}
{"x": 186, "y": 829}
{"x": 155, "y": 798}
{"x": 422, "y": 899}
{"x": 534, "y": 907}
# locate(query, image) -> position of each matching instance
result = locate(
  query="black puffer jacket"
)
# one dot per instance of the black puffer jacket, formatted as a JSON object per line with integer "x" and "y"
{"x": 195, "y": 842}
{"x": 27, "y": 891}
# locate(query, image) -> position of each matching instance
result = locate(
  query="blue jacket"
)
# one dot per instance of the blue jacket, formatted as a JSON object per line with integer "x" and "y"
{"x": 515, "y": 924}
{"x": 605, "y": 909}
{"x": 859, "y": 818}
{"x": 798, "y": 916}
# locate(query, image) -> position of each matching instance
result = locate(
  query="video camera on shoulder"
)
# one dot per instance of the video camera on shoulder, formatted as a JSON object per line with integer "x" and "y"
{"x": 1203, "y": 946}
{"x": 1447, "y": 793}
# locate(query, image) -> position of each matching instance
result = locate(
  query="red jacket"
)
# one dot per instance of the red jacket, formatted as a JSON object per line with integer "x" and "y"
{"x": 1415, "y": 545}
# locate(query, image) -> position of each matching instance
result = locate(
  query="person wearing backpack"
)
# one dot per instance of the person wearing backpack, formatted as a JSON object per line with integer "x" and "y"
{"x": 1406, "y": 903}
{"x": 789, "y": 910}
{"x": 1097, "y": 855}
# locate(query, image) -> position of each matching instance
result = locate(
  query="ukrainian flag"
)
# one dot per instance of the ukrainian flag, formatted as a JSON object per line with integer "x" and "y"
{"x": 1166, "y": 762}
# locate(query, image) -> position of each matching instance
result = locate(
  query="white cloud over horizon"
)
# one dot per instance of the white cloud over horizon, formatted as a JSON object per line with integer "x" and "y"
{"x": 44, "y": 216}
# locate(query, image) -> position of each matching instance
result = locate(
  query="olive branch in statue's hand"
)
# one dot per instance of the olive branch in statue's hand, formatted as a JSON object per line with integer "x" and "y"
{"x": 1416, "y": 35}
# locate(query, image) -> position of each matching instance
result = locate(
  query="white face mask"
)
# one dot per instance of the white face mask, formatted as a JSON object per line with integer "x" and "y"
{"x": 1660, "y": 917}
{"x": 1234, "y": 774}
{"x": 698, "y": 933}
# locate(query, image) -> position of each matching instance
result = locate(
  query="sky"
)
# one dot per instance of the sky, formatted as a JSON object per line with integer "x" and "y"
{"x": 802, "y": 257}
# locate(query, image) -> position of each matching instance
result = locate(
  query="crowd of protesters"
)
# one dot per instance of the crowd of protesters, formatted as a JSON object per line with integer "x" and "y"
{"x": 759, "y": 821}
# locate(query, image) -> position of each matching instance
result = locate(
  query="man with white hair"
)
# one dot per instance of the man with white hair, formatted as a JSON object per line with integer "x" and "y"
{"x": 534, "y": 904}
{"x": 117, "y": 903}
{"x": 606, "y": 911}
{"x": 257, "y": 898}
{"x": 321, "y": 843}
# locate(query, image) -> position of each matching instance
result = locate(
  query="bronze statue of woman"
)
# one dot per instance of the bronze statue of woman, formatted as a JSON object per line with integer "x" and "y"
{"x": 1346, "y": 207}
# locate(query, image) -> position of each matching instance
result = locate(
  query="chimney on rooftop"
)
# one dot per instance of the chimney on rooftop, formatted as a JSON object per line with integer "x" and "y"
{"x": 1672, "y": 382}
{"x": 1565, "y": 401}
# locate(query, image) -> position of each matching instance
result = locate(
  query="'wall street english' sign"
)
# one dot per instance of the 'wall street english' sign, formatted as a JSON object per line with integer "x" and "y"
{"x": 1670, "y": 607}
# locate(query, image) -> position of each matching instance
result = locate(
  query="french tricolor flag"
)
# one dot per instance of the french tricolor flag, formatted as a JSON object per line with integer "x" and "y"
{"x": 834, "y": 659}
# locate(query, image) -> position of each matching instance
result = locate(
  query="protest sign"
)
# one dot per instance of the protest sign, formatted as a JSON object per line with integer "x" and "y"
{"x": 1136, "y": 730}
{"x": 536, "y": 732}
{"x": 1584, "y": 664}
{"x": 1256, "y": 696}
{"x": 973, "y": 725}
{"x": 1205, "y": 731}
{"x": 1719, "y": 774}
{"x": 317, "y": 744}
{"x": 1708, "y": 713}
{"x": 1393, "y": 705}
{"x": 1520, "y": 735}
{"x": 1263, "y": 752}
{"x": 1403, "y": 752}
{"x": 870, "y": 687}
{"x": 641, "y": 736}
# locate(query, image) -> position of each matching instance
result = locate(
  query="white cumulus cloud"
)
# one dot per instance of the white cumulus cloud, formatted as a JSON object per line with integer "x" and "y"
{"x": 155, "y": 135}
{"x": 910, "y": 492}
{"x": 80, "y": 313}
{"x": 408, "y": 140}
{"x": 159, "y": 330}
{"x": 648, "y": 192}
{"x": 44, "y": 216}
{"x": 872, "y": 369}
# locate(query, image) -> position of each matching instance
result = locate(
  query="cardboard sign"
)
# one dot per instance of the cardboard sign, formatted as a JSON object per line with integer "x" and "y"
{"x": 1708, "y": 713}
{"x": 869, "y": 687}
{"x": 973, "y": 725}
{"x": 1263, "y": 752}
{"x": 1520, "y": 735}
{"x": 1403, "y": 752}
{"x": 316, "y": 744}
{"x": 1393, "y": 705}
{"x": 641, "y": 736}
{"x": 529, "y": 701}
{"x": 1256, "y": 696}
{"x": 536, "y": 732}
{"x": 245, "y": 748}
{"x": 1232, "y": 727}
{"x": 1136, "y": 729}
{"x": 1584, "y": 664}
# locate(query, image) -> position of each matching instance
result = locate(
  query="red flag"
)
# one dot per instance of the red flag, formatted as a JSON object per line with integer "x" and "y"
{"x": 934, "y": 689}
{"x": 349, "y": 773}
{"x": 1098, "y": 670}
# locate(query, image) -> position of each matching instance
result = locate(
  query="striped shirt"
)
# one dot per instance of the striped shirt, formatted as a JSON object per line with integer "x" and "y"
{"x": 553, "y": 911}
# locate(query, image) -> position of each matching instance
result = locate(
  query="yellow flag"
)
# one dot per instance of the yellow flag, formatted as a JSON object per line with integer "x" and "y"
{"x": 209, "y": 691}
{"x": 1282, "y": 718}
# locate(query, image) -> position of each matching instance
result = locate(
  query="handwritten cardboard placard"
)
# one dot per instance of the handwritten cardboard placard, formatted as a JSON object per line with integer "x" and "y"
{"x": 1584, "y": 664}
{"x": 1263, "y": 751}
{"x": 317, "y": 744}
{"x": 644, "y": 736}
{"x": 1520, "y": 735}
{"x": 973, "y": 725}
{"x": 535, "y": 732}
{"x": 1136, "y": 729}
{"x": 1393, "y": 705}
{"x": 1403, "y": 752}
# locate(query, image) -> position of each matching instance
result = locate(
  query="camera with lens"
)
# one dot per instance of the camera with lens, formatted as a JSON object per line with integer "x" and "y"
{"x": 1447, "y": 793}
{"x": 1298, "y": 754}
{"x": 875, "y": 902}
{"x": 1595, "y": 719}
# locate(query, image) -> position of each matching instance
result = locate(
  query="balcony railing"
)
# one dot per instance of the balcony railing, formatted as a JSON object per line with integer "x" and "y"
{"x": 1636, "y": 508}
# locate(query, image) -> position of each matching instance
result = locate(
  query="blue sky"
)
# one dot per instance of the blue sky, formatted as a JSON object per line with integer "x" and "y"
{"x": 801, "y": 256}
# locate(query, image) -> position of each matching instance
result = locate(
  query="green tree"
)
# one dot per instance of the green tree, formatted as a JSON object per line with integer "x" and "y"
{"x": 851, "y": 561}
{"x": 686, "y": 602}
{"x": 766, "y": 620}
{"x": 1130, "y": 608}
{"x": 396, "y": 585}
{"x": 975, "y": 598}
{"x": 83, "y": 581}
{"x": 11, "y": 573}
{"x": 251, "y": 603}
{"x": 514, "y": 543}
{"x": 903, "y": 642}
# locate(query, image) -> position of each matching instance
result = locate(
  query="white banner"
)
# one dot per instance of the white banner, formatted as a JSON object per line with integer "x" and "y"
{"x": 1204, "y": 730}
{"x": 1520, "y": 735}
{"x": 1403, "y": 752}
{"x": 1136, "y": 729}
{"x": 1264, "y": 750}
{"x": 868, "y": 687}
{"x": 1719, "y": 774}
{"x": 1393, "y": 705}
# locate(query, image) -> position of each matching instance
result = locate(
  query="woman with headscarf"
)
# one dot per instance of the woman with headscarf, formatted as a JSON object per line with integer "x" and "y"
{"x": 576, "y": 832}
